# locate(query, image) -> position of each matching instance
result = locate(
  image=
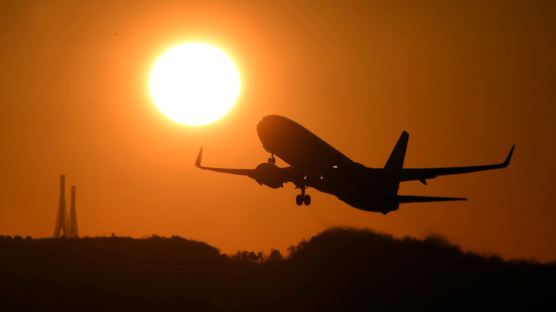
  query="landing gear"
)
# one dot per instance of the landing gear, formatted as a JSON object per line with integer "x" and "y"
{"x": 307, "y": 200}
{"x": 302, "y": 198}
{"x": 299, "y": 200}
{"x": 272, "y": 160}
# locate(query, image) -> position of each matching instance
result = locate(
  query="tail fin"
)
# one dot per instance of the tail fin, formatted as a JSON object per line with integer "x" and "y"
{"x": 395, "y": 161}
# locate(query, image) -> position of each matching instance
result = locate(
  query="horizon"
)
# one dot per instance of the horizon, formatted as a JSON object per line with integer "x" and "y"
{"x": 339, "y": 269}
{"x": 467, "y": 81}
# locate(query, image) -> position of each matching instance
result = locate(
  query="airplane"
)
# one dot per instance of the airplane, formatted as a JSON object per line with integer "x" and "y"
{"x": 314, "y": 163}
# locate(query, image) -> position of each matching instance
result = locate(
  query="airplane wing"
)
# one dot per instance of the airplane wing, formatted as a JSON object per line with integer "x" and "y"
{"x": 244, "y": 172}
{"x": 421, "y": 199}
{"x": 264, "y": 173}
{"x": 408, "y": 174}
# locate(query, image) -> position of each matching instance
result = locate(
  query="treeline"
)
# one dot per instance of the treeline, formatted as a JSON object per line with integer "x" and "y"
{"x": 338, "y": 270}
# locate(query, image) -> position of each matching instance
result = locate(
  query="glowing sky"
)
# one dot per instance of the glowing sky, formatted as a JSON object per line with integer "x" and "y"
{"x": 466, "y": 80}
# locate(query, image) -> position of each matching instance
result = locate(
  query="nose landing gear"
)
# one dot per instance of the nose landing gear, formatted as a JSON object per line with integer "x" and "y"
{"x": 272, "y": 160}
{"x": 303, "y": 198}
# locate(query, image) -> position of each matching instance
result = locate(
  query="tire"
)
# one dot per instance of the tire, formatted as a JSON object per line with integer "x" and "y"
{"x": 307, "y": 200}
{"x": 299, "y": 200}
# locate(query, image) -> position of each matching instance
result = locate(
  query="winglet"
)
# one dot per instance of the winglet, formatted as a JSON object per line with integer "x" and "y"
{"x": 199, "y": 157}
{"x": 507, "y": 161}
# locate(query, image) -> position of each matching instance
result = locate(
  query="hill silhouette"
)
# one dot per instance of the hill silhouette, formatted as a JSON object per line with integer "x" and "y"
{"x": 340, "y": 269}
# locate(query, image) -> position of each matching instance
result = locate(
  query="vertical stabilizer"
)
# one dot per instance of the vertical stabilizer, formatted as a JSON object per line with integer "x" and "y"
{"x": 395, "y": 161}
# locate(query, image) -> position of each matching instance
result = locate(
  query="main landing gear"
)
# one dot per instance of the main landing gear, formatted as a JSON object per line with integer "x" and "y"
{"x": 302, "y": 198}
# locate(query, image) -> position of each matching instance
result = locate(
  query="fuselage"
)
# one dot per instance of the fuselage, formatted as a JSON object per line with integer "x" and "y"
{"x": 317, "y": 164}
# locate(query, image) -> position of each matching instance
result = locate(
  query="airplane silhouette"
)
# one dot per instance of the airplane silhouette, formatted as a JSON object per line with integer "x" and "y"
{"x": 314, "y": 163}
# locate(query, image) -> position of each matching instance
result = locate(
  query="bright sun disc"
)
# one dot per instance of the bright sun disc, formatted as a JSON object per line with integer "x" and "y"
{"x": 194, "y": 83}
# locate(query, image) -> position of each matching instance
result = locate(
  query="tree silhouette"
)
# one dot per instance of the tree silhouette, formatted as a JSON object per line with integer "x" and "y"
{"x": 338, "y": 270}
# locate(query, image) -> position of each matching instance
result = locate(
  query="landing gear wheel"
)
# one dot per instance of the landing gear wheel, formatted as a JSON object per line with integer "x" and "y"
{"x": 302, "y": 198}
{"x": 307, "y": 200}
{"x": 299, "y": 200}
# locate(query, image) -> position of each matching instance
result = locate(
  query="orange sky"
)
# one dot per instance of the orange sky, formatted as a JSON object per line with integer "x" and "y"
{"x": 466, "y": 81}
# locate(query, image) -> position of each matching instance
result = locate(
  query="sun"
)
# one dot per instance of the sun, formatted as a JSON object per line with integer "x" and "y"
{"x": 194, "y": 83}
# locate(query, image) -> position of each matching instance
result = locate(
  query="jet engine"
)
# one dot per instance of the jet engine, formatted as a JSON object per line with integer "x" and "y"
{"x": 269, "y": 174}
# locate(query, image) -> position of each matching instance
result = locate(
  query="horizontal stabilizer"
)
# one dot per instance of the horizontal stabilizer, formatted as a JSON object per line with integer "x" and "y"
{"x": 421, "y": 199}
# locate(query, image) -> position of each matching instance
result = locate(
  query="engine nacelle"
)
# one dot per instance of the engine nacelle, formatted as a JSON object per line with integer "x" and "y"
{"x": 269, "y": 175}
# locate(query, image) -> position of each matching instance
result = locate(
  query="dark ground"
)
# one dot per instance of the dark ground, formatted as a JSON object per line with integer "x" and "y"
{"x": 337, "y": 270}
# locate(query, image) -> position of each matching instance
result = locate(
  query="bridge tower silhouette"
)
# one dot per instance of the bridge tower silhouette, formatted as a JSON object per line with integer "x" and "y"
{"x": 72, "y": 231}
{"x": 65, "y": 227}
{"x": 61, "y": 219}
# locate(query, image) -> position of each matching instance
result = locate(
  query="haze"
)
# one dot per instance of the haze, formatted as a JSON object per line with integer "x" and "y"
{"x": 466, "y": 80}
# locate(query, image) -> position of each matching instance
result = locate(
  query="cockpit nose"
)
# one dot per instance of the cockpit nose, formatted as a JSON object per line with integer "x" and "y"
{"x": 261, "y": 123}
{"x": 266, "y": 121}
{"x": 276, "y": 131}
{"x": 266, "y": 127}
{"x": 261, "y": 127}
